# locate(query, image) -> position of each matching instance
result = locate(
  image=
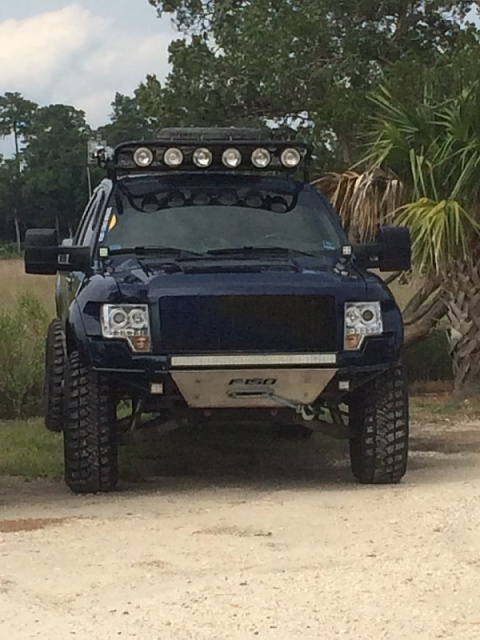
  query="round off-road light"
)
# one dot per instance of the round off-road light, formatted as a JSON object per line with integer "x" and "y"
{"x": 143, "y": 157}
{"x": 291, "y": 158}
{"x": 254, "y": 199}
{"x": 173, "y": 157}
{"x": 231, "y": 158}
{"x": 261, "y": 158}
{"x": 228, "y": 198}
{"x": 202, "y": 157}
{"x": 278, "y": 204}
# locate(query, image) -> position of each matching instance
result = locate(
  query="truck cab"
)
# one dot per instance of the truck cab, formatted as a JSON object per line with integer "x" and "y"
{"x": 208, "y": 280}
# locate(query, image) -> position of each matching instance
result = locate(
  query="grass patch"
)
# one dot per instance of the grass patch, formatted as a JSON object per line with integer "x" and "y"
{"x": 15, "y": 282}
{"x": 9, "y": 251}
{"x": 22, "y": 347}
{"x": 27, "y": 449}
{"x": 431, "y": 407}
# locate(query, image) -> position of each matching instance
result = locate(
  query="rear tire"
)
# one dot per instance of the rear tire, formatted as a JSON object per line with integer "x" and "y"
{"x": 90, "y": 442}
{"x": 379, "y": 429}
{"x": 54, "y": 376}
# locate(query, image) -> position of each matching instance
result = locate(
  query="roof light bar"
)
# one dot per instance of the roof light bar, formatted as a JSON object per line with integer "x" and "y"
{"x": 227, "y": 154}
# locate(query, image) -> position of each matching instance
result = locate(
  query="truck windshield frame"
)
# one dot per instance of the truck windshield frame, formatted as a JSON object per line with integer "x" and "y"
{"x": 202, "y": 213}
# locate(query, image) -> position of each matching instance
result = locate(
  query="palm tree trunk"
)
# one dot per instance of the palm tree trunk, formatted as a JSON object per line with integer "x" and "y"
{"x": 463, "y": 313}
{"x": 18, "y": 237}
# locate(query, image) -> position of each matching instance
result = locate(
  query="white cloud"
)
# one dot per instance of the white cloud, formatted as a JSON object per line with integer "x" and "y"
{"x": 71, "y": 56}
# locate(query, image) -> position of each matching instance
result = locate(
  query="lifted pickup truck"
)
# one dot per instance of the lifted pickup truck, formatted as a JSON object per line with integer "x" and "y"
{"x": 205, "y": 283}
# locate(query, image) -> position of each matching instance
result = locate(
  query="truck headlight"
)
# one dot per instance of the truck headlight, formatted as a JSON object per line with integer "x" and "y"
{"x": 128, "y": 321}
{"x": 362, "y": 319}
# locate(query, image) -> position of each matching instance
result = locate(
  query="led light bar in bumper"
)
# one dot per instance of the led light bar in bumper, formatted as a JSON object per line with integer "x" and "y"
{"x": 254, "y": 360}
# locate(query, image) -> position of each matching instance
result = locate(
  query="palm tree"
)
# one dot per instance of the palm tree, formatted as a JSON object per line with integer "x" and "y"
{"x": 423, "y": 172}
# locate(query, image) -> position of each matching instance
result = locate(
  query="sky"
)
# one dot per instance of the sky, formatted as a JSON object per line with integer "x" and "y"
{"x": 81, "y": 52}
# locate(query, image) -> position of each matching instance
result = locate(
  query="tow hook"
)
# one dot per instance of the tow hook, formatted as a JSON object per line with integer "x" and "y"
{"x": 307, "y": 412}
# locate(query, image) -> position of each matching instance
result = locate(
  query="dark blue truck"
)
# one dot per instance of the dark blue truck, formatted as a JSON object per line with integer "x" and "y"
{"x": 206, "y": 283}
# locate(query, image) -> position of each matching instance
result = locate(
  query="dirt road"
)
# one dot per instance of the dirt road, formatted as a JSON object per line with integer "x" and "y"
{"x": 252, "y": 546}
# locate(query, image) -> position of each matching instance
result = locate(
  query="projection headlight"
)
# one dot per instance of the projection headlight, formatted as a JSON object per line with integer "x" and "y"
{"x": 129, "y": 322}
{"x": 362, "y": 319}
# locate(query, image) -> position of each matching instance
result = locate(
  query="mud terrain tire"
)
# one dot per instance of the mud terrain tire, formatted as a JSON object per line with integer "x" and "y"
{"x": 54, "y": 377}
{"x": 379, "y": 429}
{"x": 90, "y": 442}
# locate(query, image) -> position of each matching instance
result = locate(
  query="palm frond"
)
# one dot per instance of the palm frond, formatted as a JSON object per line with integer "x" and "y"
{"x": 363, "y": 200}
{"x": 440, "y": 231}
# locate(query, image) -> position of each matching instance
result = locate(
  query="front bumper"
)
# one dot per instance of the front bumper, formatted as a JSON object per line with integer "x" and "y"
{"x": 241, "y": 381}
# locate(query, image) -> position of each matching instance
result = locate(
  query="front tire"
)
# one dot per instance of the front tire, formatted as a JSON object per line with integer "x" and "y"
{"x": 90, "y": 442}
{"x": 379, "y": 429}
{"x": 54, "y": 376}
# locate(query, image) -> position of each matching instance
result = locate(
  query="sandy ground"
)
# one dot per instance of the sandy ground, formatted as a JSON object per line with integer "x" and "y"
{"x": 274, "y": 549}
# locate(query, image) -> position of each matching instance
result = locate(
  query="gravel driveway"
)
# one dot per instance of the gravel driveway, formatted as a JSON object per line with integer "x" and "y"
{"x": 279, "y": 548}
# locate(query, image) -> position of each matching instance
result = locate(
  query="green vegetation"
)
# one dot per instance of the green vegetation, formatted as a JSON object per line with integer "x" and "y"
{"x": 29, "y": 450}
{"x": 23, "y": 330}
{"x": 429, "y": 359}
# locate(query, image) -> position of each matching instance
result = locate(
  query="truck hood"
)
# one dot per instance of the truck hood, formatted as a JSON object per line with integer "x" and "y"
{"x": 330, "y": 281}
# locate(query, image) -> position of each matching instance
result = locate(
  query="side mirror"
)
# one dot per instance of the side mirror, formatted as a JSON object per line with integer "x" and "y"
{"x": 41, "y": 251}
{"x": 391, "y": 251}
{"x": 44, "y": 256}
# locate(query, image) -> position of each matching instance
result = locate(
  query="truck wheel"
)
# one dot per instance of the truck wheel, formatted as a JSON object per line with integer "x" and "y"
{"x": 90, "y": 442}
{"x": 379, "y": 429}
{"x": 54, "y": 377}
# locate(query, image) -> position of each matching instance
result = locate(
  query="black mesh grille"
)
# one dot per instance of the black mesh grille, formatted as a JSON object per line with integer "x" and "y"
{"x": 266, "y": 323}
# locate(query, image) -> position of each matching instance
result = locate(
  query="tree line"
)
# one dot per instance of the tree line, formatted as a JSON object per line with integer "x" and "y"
{"x": 306, "y": 67}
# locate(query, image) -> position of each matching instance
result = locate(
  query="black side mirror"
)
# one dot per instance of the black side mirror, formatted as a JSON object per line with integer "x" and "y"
{"x": 41, "y": 251}
{"x": 42, "y": 254}
{"x": 391, "y": 251}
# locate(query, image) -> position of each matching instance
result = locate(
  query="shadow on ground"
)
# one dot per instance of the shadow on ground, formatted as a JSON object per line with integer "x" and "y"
{"x": 217, "y": 458}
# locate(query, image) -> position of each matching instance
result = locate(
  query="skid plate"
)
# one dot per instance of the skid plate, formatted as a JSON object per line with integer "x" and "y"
{"x": 243, "y": 388}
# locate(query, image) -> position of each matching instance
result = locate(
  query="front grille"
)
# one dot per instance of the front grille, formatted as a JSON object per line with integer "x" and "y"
{"x": 247, "y": 323}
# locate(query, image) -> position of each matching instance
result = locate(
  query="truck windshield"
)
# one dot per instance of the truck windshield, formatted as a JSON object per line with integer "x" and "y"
{"x": 202, "y": 213}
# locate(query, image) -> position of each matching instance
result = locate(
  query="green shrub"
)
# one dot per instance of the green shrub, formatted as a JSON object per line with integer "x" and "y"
{"x": 9, "y": 251}
{"x": 429, "y": 359}
{"x": 22, "y": 344}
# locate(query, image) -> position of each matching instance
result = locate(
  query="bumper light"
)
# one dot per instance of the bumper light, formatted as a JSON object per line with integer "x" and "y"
{"x": 362, "y": 319}
{"x": 129, "y": 322}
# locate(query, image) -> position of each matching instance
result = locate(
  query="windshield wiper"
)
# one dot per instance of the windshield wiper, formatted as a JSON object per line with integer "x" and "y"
{"x": 156, "y": 251}
{"x": 281, "y": 252}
